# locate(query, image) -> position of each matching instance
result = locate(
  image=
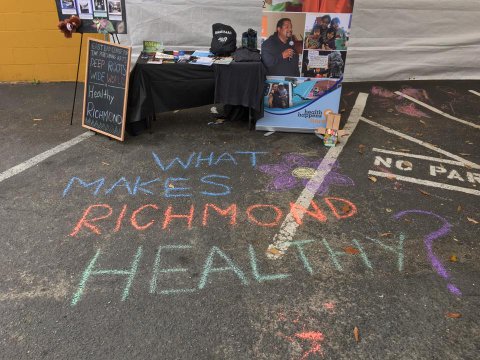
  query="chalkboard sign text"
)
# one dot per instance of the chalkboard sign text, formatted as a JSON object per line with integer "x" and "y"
{"x": 106, "y": 88}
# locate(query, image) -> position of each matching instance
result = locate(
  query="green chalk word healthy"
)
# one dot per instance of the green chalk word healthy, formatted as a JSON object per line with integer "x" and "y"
{"x": 218, "y": 265}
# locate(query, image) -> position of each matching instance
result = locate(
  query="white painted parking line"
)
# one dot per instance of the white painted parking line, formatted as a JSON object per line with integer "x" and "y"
{"x": 475, "y": 92}
{"x": 422, "y": 143}
{"x": 43, "y": 156}
{"x": 425, "y": 182}
{"x": 451, "y": 117}
{"x": 422, "y": 157}
{"x": 281, "y": 241}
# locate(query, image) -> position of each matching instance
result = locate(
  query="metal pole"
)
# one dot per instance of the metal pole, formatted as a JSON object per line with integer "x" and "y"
{"x": 76, "y": 81}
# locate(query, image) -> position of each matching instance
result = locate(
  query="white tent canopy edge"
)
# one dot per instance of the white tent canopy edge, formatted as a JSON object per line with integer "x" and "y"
{"x": 390, "y": 39}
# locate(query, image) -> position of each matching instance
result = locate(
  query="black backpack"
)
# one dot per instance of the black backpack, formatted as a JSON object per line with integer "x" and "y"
{"x": 224, "y": 41}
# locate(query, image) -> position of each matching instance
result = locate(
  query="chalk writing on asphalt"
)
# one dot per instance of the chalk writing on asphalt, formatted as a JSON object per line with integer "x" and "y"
{"x": 244, "y": 275}
{"x": 209, "y": 208}
{"x": 429, "y": 240}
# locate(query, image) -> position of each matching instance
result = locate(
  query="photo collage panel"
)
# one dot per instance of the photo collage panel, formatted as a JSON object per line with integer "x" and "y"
{"x": 103, "y": 16}
{"x": 304, "y": 48}
{"x": 316, "y": 42}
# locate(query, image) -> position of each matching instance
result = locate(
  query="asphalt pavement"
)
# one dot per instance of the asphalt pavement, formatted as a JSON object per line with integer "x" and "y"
{"x": 192, "y": 241}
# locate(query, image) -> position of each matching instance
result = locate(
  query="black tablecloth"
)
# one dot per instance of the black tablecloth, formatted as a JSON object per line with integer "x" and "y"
{"x": 157, "y": 88}
{"x": 240, "y": 84}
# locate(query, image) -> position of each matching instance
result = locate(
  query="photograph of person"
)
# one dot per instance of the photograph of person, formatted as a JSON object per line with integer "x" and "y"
{"x": 317, "y": 36}
{"x": 84, "y": 6}
{"x": 325, "y": 6}
{"x": 288, "y": 93}
{"x": 314, "y": 39}
{"x": 329, "y": 43}
{"x": 114, "y": 7}
{"x": 281, "y": 50}
{"x": 341, "y": 35}
{"x": 99, "y": 5}
{"x": 333, "y": 35}
{"x": 85, "y": 9}
{"x": 67, "y": 4}
{"x": 278, "y": 96}
{"x": 323, "y": 64}
{"x": 68, "y": 7}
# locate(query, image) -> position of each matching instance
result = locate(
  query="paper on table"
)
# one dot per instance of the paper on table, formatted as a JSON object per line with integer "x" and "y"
{"x": 223, "y": 61}
{"x": 160, "y": 55}
{"x": 203, "y": 61}
{"x": 202, "y": 53}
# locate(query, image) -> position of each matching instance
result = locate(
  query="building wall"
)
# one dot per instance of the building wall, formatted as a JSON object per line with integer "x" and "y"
{"x": 31, "y": 46}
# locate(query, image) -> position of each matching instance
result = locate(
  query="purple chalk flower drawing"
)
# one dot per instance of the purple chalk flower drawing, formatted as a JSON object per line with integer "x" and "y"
{"x": 296, "y": 170}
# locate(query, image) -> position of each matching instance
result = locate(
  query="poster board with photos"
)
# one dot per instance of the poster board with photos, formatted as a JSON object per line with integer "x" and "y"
{"x": 305, "y": 60}
{"x": 106, "y": 88}
{"x": 98, "y": 16}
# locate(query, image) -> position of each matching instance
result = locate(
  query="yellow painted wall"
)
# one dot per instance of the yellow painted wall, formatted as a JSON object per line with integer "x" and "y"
{"x": 31, "y": 46}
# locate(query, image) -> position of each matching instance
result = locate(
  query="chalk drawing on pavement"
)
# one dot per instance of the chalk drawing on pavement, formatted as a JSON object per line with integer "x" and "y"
{"x": 429, "y": 239}
{"x": 296, "y": 171}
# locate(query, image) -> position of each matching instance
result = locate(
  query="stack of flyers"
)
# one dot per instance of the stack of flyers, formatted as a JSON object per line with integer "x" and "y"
{"x": 206, "y": 61}
{"x": 163, "y": 56}
{"x": 223, "y": 60}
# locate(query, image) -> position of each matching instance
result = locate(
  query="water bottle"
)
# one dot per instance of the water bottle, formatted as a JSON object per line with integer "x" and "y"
{"x": 252, "y": 39}
{"x": 245, "y": 40}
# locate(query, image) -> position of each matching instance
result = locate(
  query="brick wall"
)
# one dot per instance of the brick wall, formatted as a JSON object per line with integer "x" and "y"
{"x": 31, "y": 46}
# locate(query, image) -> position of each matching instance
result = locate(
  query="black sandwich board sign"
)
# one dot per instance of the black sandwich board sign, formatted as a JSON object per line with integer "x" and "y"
{"x": 106, "y": 88}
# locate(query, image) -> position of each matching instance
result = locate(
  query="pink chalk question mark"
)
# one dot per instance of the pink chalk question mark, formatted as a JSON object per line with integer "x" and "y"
{"x": 428, "y": 241}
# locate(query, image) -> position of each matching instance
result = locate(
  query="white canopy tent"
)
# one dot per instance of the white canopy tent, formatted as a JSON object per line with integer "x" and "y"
{"x": 390, "y": 39}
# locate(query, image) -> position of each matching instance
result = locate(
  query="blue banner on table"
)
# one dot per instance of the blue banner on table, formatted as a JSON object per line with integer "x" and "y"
{"x": 304, "y": 48}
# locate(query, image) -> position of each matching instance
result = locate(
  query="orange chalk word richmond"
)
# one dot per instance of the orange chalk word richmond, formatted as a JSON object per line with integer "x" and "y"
{"x": 100, "y": 218}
